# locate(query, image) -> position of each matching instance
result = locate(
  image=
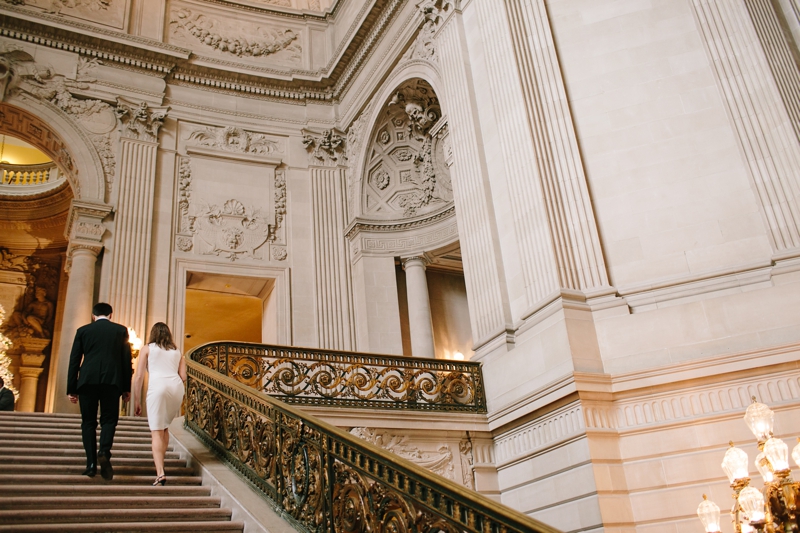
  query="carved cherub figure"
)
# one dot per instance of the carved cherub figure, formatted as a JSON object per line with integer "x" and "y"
{"x": 35, "y": 317}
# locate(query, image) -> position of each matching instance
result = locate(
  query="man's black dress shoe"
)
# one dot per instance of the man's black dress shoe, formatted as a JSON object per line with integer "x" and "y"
{"x": 90, "y": 471}
{"x": 106, "y": 470}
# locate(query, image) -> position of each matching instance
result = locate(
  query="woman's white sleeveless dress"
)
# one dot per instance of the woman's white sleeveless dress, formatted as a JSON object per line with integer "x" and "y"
{"x": 165, "y": 388}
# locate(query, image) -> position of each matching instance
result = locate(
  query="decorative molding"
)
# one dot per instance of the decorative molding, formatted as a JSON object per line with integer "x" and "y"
{"x": 139, "y": 120}
{"x": 544, "y": 432}
{"x": 356, "y": 137}
{"x": 242, "y": 41}
{"x": 439, "y": 462}
{"x": 236, "y": 140}
{"x": 77, "y": 246}
{"x": 365, "y": 225}
{"x": 433, "y": 14}
{"x": 326, "y": 148}
{"x": 231, "y": 230}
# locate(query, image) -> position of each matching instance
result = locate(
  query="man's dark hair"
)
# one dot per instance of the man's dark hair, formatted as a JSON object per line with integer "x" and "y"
{"x": 2, "y": 383}
{"x": 101, "y": 309}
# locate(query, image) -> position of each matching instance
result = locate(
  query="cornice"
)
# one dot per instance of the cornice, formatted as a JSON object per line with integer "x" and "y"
{"x": 360, "y": 225}
{"x": 181, "y": 66}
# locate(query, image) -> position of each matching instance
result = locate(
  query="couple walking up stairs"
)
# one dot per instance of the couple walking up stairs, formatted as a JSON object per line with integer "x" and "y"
{"x": 42, "y": 489}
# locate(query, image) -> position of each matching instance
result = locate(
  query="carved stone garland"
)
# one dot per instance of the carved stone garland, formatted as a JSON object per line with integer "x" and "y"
{"x": 211, "y": 32}
{"x": 236, "y": 140}
{"x": 439, "y": 462}
{"x": 326, "y": 148}
{"x": 232, "y": 230}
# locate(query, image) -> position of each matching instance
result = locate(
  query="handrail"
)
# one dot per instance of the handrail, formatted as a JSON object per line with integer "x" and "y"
{"x": 25, "y": 175}
{"x": 324, "y": 479}
{"x": 349, "y": 379}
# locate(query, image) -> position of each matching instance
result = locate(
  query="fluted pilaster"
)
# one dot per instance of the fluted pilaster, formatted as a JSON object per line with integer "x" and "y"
{"x": 489, "y": 313}
{"x": 760, "y": 117}
{"x": 133, "y": 225}
{"x": 563, "y": 184}
{"x": 334, "y": 304}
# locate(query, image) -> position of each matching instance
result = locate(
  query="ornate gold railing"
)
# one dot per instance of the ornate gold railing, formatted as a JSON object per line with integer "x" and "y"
{"x": 348, "y": 379}
{"x": 21, "y": 175}
{"x": 326, "y": 480}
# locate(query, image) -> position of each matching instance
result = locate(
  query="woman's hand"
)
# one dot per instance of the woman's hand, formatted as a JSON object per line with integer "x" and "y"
{"x": 137, "y": 410}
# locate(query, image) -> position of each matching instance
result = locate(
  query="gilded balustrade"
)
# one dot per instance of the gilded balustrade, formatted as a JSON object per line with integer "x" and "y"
{"x": 347, "y": 379}
{"x": 324, "y": 479}
{"x": 22, "y": 175}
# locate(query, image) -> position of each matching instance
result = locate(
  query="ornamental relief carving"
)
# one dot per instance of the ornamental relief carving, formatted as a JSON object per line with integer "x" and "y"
{"x": 353, "y": 153}
{"x": 139, "y": 120}
{"x": 236, "y": 140}
{"x": 105, "y": 12}
{"x": 326, "y": 148}
{"x": 439, "y": 461}
{"x": 234, "y": 38}
{"x": 230, "y": 229}
{"x": 20, "y": 74}
{"x": 406, "y": 174}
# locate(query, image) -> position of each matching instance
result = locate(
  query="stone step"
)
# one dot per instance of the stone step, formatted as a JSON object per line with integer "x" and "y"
{"x": 77, "y": 479}
{"x": 41, "y": 489}
{"x": 119, "y": 469}
{"x": 105, "y": 489}
{"x": 74, "y": 444}
{"x": 77, "y": 452}
{"x": 107, "y": 502}
{"x": 61, "y": 516}
{"x": 80, "y": 461}
{"x": 127, "y": 527}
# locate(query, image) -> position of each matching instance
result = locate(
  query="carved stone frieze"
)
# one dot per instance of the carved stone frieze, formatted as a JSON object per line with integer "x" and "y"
{"x": 235, "y": 139}
{"x": 441, "y": 461}
{"x": 242, "y": 40}
{"x": 326, "y": 148}
{"x": 139, "y": 120}
{"x": 88, "y": 230}
{"x": 105, "y": 12}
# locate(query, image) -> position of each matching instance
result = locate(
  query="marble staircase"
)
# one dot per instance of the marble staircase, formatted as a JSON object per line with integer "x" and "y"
{"x": 42, "y": 489}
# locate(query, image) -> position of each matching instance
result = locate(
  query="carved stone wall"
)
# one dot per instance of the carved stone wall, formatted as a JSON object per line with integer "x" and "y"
{"x": 242, "y": 216}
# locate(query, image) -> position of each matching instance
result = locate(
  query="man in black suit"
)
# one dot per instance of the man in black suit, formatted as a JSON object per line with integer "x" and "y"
{"x": 99, "y": 373}
{"x": 6, "y": 397}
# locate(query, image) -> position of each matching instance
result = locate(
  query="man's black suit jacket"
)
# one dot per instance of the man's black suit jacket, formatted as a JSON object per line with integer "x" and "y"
{"x": 106, "y": 357}
{"x": 6, "y": 399}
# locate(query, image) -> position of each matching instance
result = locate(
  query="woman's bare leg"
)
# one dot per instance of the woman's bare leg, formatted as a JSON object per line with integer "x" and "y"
{"x": 160, "y": 442}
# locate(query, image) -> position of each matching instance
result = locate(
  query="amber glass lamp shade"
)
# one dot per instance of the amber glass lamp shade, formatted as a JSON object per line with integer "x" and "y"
{"x": 709, "y": 515}
{"x": 734, "y": 464}
{"x": 777, "y": 453}
{"x": 752, "y": 503}
{"x": 762, "y": 464}
{"x": 758, "y": 418}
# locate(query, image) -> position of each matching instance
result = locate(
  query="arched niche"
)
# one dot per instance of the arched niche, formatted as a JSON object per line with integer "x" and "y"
{"x": 405, "y": 172}
{"x": 57, "y": 136}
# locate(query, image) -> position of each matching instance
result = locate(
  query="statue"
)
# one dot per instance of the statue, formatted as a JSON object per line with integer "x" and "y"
{"x": 35, "y": 319}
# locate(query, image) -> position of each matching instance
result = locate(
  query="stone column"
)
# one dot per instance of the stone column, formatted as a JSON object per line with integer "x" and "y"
{"x": 130, "y": 262}
{"x": 81, "y": 259}
{"x": 419, "y": 307}
{"x": 85, "y": 232}
{"x": 29, "y": 386}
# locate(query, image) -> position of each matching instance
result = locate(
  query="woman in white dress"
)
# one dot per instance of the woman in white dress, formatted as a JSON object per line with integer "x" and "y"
{"x": 167, "y": 369}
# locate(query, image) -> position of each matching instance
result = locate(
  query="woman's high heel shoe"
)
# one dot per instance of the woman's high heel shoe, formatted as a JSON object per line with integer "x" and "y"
{"x": 160, "y": 480}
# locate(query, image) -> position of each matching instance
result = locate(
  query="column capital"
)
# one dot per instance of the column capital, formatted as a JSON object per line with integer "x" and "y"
{"x": 77, "y": 247}
{"x": 30, "y": 372}
{"x": 85, "y": 221}
{"x": 414, "y": 260}
{"x": 140, "y": 121}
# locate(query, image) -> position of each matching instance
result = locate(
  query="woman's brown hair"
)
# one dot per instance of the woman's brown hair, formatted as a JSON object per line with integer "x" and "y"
{"x": 161, "y": 336}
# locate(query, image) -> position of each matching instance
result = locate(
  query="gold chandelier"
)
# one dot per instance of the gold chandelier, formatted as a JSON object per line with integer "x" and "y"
{"x": 772, "y": 509}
